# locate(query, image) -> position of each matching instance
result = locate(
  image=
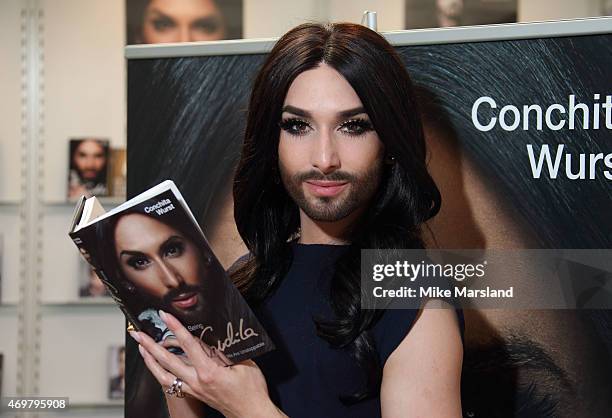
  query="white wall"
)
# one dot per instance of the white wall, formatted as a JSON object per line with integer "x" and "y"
{"x": 84, "y": 75}
{"x": 10, "y": 100}
{"x": 272, "y": 18}
{"x": 534, "y": 11}
{"x": 10, "y": 187}
{"x": 390, "y": 13}
{"x": 84, "y": 95}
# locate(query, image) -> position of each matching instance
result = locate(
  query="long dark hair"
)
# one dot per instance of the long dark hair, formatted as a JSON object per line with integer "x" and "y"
{"x": 266, "y": 216}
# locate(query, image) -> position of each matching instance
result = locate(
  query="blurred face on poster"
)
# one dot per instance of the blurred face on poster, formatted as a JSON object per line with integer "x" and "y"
{"x": 89, "y": 159}
{"x": 449, "y": 12}
{"x": 182, "y": 21}
{"x": 87, "y": 174}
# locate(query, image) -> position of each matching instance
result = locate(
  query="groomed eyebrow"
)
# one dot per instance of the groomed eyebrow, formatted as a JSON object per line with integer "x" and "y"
{"x": 159, "y": 13}
{"x": 306, "y": 114}
{"x": 206, "y": 20}
{"x": 163, "y": 244}
{"x": 516, "y": 352}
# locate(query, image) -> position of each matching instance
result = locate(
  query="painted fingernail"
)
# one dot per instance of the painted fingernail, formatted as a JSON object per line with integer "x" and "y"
{"x": 135, "y": 336}
{"x": 141, "y": 349}
{"x": 163, "y": 315}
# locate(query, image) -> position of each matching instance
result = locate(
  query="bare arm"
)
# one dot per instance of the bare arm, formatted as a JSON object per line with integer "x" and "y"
{"x": 187, "y": 407}
{"x": 421, "y": 378}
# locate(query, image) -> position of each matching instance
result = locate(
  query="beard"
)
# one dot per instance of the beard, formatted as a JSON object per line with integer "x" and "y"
{"x": 195, "y": 313}
{"x": 360, "y": 190}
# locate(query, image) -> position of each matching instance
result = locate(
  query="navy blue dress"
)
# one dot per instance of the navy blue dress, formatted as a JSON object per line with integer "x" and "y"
{"x": 305, "y": 375}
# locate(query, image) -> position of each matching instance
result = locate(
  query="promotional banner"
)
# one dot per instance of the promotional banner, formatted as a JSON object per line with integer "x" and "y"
{"x": 520, "y": 146}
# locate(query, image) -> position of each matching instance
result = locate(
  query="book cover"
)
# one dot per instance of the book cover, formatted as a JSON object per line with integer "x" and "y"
{"x": 88, "y": 167}
{"x": 117, "y": 172}
{"x": 1, "y": 265}
{"x": 151, "y": 254}
{"x": 90, "y": 285}
{"x": 116, "y": 372}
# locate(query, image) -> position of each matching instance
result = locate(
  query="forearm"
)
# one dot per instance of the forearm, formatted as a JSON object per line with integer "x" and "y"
{"x": 266, "y": 409}
{"x": 187, "y": 407}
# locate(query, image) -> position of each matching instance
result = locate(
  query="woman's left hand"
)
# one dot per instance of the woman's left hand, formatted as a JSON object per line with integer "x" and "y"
{"x": 236, "y": 391}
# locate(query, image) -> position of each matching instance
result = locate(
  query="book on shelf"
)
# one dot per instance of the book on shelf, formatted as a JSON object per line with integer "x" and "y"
{"x": 1, "y": 264}
{"x": 90, "y": 285}
{"x": 152, "y": 255}
{"x": 116, "y": 372}
{"x": 88, "y": 162}
{"x": 117, "y": 172}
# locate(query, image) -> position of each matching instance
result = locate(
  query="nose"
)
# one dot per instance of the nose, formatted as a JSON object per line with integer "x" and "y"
{"x": 89, "y": 161}
{"x": 324, "y": 155}
{"x": 184, "y": 34}
{"x": 170, "y": 277}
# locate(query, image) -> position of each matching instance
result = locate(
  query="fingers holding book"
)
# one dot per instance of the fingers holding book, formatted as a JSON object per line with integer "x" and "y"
{"x": 198, "y": 353}
{"x": 202, "y": 373}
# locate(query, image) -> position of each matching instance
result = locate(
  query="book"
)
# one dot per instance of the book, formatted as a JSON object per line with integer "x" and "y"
{"x": 90, "y": 285}
{"x": 88, "y": 167}
{"x": 116, "y": 372}
{"x": 152, "y": 255}
{"x": 117, "y": 172}
{"x": 1, "y": 264}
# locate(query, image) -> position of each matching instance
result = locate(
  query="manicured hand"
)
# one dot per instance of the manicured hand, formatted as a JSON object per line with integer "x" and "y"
{"x": 239, "y": 390}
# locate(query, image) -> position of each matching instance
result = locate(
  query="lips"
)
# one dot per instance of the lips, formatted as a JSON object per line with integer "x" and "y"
{"x": 326, "y": 188}
{"x": 185, "y": 300}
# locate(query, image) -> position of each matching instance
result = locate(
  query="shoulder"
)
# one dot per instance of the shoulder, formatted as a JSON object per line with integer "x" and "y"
{"x": 239, "y": 263}
{"x": 397, "y": 323}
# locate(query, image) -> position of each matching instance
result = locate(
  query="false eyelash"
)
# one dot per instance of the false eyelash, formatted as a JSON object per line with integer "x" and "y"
{"x": 286, "y": 124}
{"x": 364, "y": 123}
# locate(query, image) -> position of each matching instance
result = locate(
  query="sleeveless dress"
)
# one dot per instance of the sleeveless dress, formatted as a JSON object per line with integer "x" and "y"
{"x": 305, "y": 376}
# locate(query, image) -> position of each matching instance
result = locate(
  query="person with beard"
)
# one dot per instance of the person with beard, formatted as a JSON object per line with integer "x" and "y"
{"x": 333, "y": 161}
{"x": 165, "y": 269}
{"x": 116, "y": 384}
{"x": 162, "y": 262}
{"x": 88, "y": 168}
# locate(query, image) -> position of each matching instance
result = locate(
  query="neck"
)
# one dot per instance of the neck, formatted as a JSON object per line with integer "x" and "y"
{"x": 320, "y": 232}
{"x": 446, "y": 21}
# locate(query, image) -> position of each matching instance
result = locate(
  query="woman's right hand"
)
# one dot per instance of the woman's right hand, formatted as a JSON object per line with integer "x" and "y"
{"x": 236, "y": 391}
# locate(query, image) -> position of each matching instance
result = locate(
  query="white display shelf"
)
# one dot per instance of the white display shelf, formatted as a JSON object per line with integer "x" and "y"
{"x": 78, "y": 308}
{"x": 8, "y": 308}
{"x": 108, "y": 202}
{"x": 110, "y": 409}
{"x": 80, "y": 303}
{"x": 10, "y": 203}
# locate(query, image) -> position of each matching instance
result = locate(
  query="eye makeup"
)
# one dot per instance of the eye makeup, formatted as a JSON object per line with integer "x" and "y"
{"x": 207, "y": 25}
{"x": 174, "y": 247}
{"x": 295, "y": 126}
{"x": 138, "y": 261}
{"x": 352, "y": 127}
{"x": 162, "y": 22}
{"x": 356, "y": 126}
